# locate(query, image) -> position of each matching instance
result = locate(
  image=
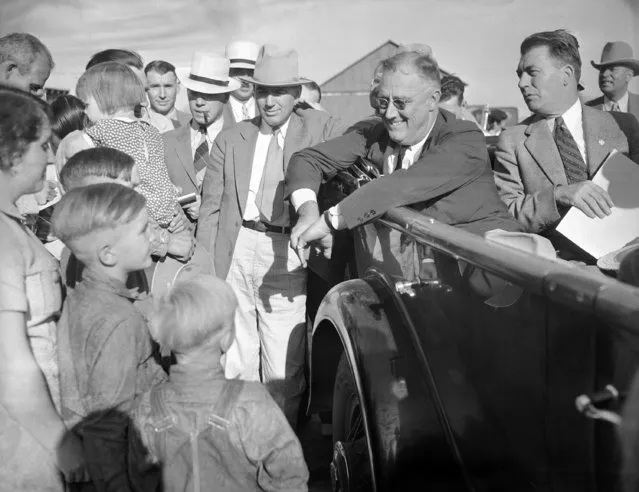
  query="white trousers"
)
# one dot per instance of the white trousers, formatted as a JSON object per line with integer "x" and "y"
{"x": 270, "y": 322}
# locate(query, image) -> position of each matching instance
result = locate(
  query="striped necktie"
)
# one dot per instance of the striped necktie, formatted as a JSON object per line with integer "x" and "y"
{"x": 245, "y": 112}
{"x": 400, "y": 157}
{"x": 615, "y": 106}
{"x": 574, "y": 164}
{"x": 202, "y": 152}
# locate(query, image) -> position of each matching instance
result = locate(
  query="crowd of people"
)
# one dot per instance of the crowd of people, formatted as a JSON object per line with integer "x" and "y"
{"x": 154, "y": 333}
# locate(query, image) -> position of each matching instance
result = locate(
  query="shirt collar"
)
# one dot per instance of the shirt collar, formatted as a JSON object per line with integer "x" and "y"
{"x": 10, "y": 209}
{"x": 212, "y": 130}
{"x": 250, "y": 102}
{"x": 572, "y": 118}
{"x": 622, "y": 102}
{"x": 283, "y": 128}
{"x": 100, "y": 281}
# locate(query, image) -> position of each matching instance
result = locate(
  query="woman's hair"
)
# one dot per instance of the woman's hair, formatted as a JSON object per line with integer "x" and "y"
{"x": 128, "y": 57}
{"x": 95, "y": 207}
{"x": 113, "y": 85}
{"x": 68, "y": 115}
{"x": 192, "y": 312}
{"x": 99, "y": 163}
{"x": 22, "y": 118}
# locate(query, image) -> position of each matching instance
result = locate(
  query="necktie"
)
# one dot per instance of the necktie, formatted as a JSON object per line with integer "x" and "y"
{"x": 270, "y": 196}
{"x": 615, "y": 107}
{"x": 202, "y": 152}
{"x": 574, "y": 164}
{"x": 400, "y": 157}
{"x": 245, "y": 112}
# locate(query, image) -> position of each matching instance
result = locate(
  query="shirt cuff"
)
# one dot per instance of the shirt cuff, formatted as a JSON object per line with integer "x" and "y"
{"x": 301, "y": 196}
{"x": 337, "y": 219}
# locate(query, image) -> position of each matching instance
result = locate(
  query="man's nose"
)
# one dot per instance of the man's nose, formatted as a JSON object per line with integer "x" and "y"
{"x": 391, "y": 111}
{"x": 524, "y": 80}
{"x": 162, "y": 92}
{"x": 270, "y": 100}
{"x": 199, "y": 101}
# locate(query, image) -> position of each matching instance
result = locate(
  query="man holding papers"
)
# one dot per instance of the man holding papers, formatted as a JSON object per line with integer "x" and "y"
{"x": 544, "y": 165}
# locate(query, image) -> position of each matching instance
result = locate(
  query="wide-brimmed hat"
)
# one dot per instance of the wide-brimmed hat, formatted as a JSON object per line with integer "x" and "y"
{"x": 242, "y": 54}
{"x": 276, "y": 67}
{"x": 617, "y": 53}
{"x": 209, "y": 74}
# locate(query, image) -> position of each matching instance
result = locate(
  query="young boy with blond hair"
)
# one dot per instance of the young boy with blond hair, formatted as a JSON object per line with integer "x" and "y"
{"x": 202, "y": 431}
{"x": 104, "y": 347}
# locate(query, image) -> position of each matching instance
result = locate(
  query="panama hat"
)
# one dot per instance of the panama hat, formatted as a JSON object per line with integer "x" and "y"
{"x": 209, "y": 74}
{"x": 276, "y": 67}
{"x": 617, "y": 53}
{"x": 242, "y": 54}
{"x": 612, "y": 260}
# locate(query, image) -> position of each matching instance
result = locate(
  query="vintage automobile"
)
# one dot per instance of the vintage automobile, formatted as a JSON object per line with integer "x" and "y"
{"x": 434, "y": 380}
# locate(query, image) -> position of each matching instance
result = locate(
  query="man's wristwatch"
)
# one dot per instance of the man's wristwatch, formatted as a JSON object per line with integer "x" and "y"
{"x": 329, "y": 218}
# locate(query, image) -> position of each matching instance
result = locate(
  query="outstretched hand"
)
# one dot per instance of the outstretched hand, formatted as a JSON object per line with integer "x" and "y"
{"x": 317, "y": 234}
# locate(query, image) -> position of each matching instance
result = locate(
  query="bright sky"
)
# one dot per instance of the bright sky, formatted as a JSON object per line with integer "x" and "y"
{"x": 475, "y": 39}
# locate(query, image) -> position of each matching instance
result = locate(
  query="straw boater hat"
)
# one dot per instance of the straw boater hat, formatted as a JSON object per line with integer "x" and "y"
{"x": 276, "y": 67}
{"x": 242, "y": 54}
{"x": 617, "y": 53}
{"x": 209, "y": 74}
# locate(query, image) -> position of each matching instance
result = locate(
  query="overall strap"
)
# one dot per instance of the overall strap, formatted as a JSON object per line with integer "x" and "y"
{"x": 221, "y": 410}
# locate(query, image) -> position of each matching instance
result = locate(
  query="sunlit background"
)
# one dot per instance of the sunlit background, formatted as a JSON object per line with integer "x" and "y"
{"x": 475, "y": 39}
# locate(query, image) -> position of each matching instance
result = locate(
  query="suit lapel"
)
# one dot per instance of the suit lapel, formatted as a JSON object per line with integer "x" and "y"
{"x": 243, "y": 159}
{"x": 184, "y": 153}
{"x": 543, "y": 150}
{"x": 597, "y": 136}
{"x": 293, "y": 139}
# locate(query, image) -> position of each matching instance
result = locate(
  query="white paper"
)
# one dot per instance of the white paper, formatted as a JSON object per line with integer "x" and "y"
{"x": 619, "y": 176}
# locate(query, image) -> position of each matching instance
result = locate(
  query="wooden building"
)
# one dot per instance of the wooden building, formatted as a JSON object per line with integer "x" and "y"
{"x": 346, "y": 94}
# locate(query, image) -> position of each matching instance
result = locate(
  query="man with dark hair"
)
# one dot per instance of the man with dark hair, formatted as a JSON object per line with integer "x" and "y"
{"x": 429, "y": 160}
{"x": 311, "y": 93}
{"x": 25, "y": 63}
{"x": 452, "y": 98}
{"x": 496, "y": 122}
{"x": 163, "y": 88}
{"x": 544, "y": 164}
{"x": 616, "y": 69}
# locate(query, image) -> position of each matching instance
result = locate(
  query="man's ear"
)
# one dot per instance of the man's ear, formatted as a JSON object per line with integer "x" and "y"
{"x": 567, "y": 72}
{"x": 434, "y": 99}
{"x": 107, "y": 256}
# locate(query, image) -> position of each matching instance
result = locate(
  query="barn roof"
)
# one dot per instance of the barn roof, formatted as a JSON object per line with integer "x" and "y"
{"x": 356, "y": 77}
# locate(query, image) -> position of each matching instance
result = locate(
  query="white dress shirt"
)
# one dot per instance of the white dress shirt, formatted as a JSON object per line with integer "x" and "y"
{"x": 212, "y": 132}
{"x": 236, "y": 106}
{"x": 623, "y": 103}
{"x": 251, "y": 211}
{"x": 574, "y": 122}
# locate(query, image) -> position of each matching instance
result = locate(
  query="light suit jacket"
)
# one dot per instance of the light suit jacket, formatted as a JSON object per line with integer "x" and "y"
{"x": 179, "y": 158}
{"x": 528, "y": 166}
{"x": 633, "y": 104}
{"x": 226, "y": 182}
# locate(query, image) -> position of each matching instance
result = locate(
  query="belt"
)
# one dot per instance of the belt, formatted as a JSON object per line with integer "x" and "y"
{"x": 259, "y": 226}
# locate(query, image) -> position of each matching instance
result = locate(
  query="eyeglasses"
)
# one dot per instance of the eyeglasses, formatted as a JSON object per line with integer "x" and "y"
{"x": 383, "y": 102}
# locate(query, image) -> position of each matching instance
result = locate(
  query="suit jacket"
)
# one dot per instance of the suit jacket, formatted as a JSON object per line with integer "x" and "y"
{"x": 228, "y": 114}
{"x": 226, "y": 182}
{"x": 633, "y": 104}
{"x": 528, "y": 166}
{"x": 451, "y": 181}
{"x": 179, "y": 157}
{"x": 183, "y": 118}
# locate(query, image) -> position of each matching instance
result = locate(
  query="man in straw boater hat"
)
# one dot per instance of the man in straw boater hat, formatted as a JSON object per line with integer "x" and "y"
{"x": 187, "y": 149}
{"x": 246, "y": 223}
{"x": 616, "y": 68}
{"x": 242, "y": 56}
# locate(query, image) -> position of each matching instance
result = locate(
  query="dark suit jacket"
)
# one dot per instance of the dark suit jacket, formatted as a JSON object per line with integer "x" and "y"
{"x": 226, "y": 182}
{"x": 528, "y": 166}
{"x": 179, "y": 157}
{"x": 633, "y": 104}
{"x": 451, "y": 181}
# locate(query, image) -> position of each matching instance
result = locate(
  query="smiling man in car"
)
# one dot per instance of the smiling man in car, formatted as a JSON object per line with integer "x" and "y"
{"x": 245, "y": 223}
{"x": 429, "y": 159}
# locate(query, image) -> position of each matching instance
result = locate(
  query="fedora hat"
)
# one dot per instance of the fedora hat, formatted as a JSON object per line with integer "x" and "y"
{"x": 617, "y": 53}
{"x": 242, "y": 54}
{"x": 276, "y": 67}
{"x": 209, "y": 74}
